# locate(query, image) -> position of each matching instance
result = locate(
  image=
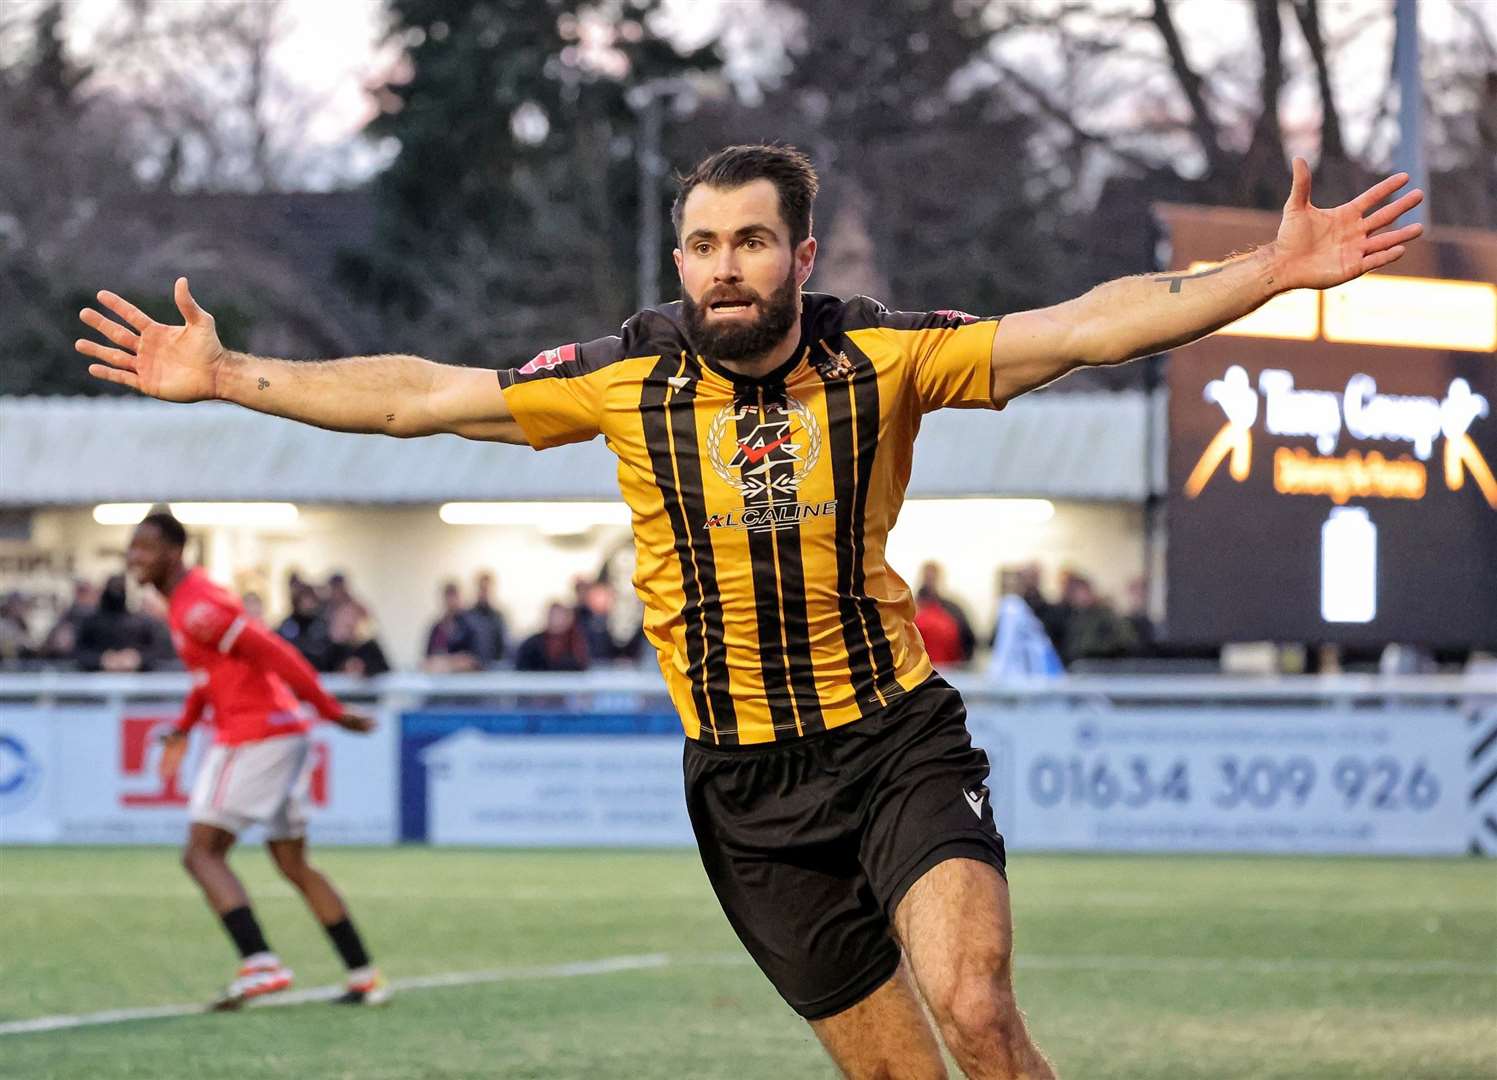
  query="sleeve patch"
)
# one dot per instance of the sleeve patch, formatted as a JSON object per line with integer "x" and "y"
{"x": 953, "y": 315}
{"x": 205, "y": 622}
{"x": 550, "y": 358}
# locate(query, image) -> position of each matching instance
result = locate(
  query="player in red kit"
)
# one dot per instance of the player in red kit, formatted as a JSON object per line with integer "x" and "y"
{"x": 258, "y": 767}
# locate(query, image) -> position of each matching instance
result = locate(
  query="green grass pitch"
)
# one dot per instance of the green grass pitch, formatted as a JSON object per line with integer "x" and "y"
{"x": 1139, "y": 967}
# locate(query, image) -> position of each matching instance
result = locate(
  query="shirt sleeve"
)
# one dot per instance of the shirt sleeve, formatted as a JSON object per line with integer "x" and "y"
{"x": 213, "y": 624}
{"x": 258, "y": 646}
{"x": 951, "y": 355}
{"x": 192, "y": 707}
{"x": 558, "y": 397}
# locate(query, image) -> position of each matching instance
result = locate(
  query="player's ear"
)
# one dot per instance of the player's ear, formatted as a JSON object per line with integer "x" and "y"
{"x": 676, "y": 257}
{"x": 805, "y": 260}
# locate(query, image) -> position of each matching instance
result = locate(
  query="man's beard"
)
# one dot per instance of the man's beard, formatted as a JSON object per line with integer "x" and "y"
{"x": 738, "y": 341}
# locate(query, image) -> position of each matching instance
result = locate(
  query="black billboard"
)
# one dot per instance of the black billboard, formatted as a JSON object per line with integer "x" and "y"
{"x": 1331, "y": 457}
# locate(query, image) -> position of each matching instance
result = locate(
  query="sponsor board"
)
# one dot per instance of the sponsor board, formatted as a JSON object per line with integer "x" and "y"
{"x": 28, "y": 780}
{"x": 99, "y": 770}
{"x": 1396, "y": 781}
{"x": 1376, "y": 783}
{"x": 474, "y": 777}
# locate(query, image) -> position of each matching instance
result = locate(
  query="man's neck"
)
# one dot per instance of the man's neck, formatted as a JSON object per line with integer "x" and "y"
{"x": 758, "y": 366}
{"x": 174, "y": 577}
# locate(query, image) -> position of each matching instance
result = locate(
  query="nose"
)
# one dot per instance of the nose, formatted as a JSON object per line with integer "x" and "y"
{"x": 726, "y": 270}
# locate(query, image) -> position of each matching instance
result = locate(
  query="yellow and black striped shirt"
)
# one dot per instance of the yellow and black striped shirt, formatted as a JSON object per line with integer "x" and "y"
{"x": 761, "y": 506}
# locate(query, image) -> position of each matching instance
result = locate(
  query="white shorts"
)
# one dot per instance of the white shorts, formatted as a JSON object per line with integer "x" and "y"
{"x": 261, "y": 782}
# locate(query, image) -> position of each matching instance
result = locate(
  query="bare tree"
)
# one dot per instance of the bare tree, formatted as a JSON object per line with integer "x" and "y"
{"x": 214, "y": 104}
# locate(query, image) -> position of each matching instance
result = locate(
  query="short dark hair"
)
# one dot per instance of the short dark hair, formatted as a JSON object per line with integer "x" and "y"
{"x": 786, "y": 167}
{"x": 168, "y": 526}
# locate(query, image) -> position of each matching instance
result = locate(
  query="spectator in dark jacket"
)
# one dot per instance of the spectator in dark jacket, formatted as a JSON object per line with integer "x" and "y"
{"x": 594, "y": 613}
{"x": 352, "y": 650}
{"x": 114, "y": 638}
{"x": 452, "y": 644}
{"x": 305, "y": 627}
{"x": 15, "y": 634}
{"x": 561, "y": 646}
{"x": 487, "y": 622}
{"x": 1094, "y": 631}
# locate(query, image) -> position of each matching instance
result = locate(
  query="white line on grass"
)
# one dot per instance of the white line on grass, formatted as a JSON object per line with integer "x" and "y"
{"x": 1237, "y": 965}
{"x": 648, "y": 961}
{"x": 605, "y": 966}
{"x": 1252, "y": 965}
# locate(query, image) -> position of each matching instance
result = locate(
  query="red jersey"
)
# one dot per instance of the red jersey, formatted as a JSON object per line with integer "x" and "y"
{"x": 239, "y": 668}
{"x": 940, "y": 632}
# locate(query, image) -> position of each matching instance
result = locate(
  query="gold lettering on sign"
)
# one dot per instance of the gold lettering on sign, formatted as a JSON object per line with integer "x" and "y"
{"x": 1298, "y": 472}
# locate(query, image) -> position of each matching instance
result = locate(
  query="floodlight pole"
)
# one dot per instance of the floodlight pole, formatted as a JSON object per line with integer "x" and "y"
{"x": 650, "y": 169}
{"x": 1409, "y": 157}
{"x": 647, "y": 101}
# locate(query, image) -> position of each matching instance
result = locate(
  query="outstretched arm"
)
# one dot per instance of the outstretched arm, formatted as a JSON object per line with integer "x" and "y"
{"x": 1138, "y": 316}
{"x": 256, "y": 645}
{"x": 396, "y": 395}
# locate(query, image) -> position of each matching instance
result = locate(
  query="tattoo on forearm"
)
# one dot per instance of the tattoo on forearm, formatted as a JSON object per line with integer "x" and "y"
{"x": 1176, "y": 280}
{"x": 389, "y": 417}
{"x": 264, "y": 384}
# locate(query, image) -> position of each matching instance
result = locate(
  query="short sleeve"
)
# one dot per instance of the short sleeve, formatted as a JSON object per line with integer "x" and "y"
{"x": 951, "y": 354}
{"x": 558, "y": 397}
{"x": 212, "y": 623}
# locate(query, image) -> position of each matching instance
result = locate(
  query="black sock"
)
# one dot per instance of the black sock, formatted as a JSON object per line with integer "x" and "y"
{"x": 242, "y": 927}
{"x": 346, "y": 941}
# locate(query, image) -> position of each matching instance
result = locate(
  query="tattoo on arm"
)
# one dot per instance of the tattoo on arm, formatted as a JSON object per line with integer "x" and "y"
{"x": 1176, "y": 280}
{"x": 389, "y": 417}
{"x": 264, "y": 384}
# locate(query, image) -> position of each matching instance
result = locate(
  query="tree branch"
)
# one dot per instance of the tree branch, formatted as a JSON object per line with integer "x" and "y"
{"x": 1069, "y": 122}
{"x": 1331, "y": 143}
{"x": 1190, "y": 83}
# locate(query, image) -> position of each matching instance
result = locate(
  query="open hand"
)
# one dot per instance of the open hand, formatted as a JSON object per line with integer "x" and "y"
{"x": 174, "y": 363}
{"x": 173, "y": 750}
{"x": 358, "y": 722}
{"x": 1318, "y": 248}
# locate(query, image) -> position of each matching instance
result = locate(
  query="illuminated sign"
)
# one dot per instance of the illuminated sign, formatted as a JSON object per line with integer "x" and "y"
{"x": 1331, "y": 456}
{"x": 1379, "y": 309}
{"x": 1362, "y": 413}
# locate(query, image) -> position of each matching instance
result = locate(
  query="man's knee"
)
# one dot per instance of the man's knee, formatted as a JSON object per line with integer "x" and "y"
{"x": 978, "y": 1009}
{"x": 291, "y": 862}
{"x": 197, "y": 858}
{"x": 293, "y": 870}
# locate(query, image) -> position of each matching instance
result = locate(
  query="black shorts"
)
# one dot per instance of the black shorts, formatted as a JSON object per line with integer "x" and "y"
{"x": 811, "y": 844}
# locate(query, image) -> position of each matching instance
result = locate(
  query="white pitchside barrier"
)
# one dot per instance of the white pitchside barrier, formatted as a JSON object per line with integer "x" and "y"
{"x": 1351, "y": 764}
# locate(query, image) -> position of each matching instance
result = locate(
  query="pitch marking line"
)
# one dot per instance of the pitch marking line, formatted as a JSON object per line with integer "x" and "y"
{"x": 648, "y": 961}
{"x": 1153, "y": 965}
{"x": 606, "y": 966}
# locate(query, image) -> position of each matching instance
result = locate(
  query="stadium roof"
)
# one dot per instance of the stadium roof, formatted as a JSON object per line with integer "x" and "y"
{"x": 74, "y": 451}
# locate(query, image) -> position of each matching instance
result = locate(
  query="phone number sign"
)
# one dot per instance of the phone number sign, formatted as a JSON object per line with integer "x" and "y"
{"x": 1230, "y": 780}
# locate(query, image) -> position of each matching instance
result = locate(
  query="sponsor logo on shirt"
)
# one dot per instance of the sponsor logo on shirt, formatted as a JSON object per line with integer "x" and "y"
{"x": 766, "y": 463}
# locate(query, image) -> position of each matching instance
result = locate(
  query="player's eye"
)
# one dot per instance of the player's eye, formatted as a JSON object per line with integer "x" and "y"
{"x": 704, "y": 249}
{"x": 753, "y": 243}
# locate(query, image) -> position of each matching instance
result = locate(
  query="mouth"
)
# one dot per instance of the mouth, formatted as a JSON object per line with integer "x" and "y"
{"x": 730, "y": 307}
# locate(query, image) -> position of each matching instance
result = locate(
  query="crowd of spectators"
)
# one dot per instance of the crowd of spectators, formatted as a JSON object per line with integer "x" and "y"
{"x": 1072, "y": 628}
{"x": 97, "y": 631}
{"x": 330, "y": 626}
{"x": 575, "y": 637}
{"x": 1079, "y": 625}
